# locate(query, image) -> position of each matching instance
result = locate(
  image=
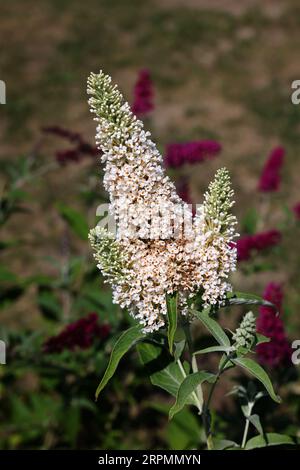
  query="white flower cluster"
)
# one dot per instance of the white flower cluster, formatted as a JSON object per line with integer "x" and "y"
{"x": 214, "y": 235}
{"x": 244, "y": 336}
{"x": 200, "y": 257}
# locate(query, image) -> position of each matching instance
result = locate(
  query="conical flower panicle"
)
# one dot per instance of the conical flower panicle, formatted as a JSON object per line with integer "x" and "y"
{"x": 112, "y": 260}
{"x": 245, "y": 333}
{"x": 155, "y": 252}
{"x": 218, "y": 201}
{"x": 107, "y": 102}
{"x": 214, "y": 241}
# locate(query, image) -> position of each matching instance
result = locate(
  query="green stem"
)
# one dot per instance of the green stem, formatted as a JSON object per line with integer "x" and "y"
{"x": 212, "y": 389}
{"x": 206, "y": 416}
{"x": 187, "y": 332}
{"x": 194, "y": 393}
{"x": 198, "y": 395}
{"x": 181, "y": 367}
{"x": 36, "y": 174}
{"x": 246, "y": 429}
{"x": 245, "y": 433}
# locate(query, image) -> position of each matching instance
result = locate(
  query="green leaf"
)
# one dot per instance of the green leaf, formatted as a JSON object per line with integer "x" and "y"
{"x": 17, "y": 194}
{"x": 255, "y": 420}
{"x": 214, "y": 327}
{"x": 75, "y": 220}
{"x": 163, "y": 373}
{"x": 41, "y": 280}
{"x": 241, "y": 351}
{"x": 179, "y": 347}
{"x": 10, "y": 295}
{"x": 127, "y": 339}
{"x": 4, "y": 244}
{"x": 243, "y": 295}
{"x": 249, "y": 221}
{"x": 270, "y": 439}
{"x": 242, "y": 298}
{"x": 261, "y": 339}
{"x": 213, "y": 349}
{"x": 223, "y": 444}
{"x": 258, "y": 372}
{"x": 7, "y": 276}
{"x": 184, "y": 431}
{"x": 187, "y": 387}
{"x": 172, "y": 301}
{"x": 49, "y": 304}
{"x": 225, "y": 363}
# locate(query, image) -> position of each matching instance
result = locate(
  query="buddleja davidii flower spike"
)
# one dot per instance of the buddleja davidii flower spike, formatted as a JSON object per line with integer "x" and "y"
{"x": 218, "y": 201}
{"x": 107, "y": 102}
{"x": 199, "y": 258}
{"x": 217, "y": 250}
{"x": 135, "y": 180}
{"x": 111, "y": 259}
{"x": 244, "y": 336}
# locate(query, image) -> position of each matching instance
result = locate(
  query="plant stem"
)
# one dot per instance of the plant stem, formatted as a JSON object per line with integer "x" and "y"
{"x": 36, "y": 174}
{"x": 194, "y": 393}
{"x": 245, "y": 433}
{"x": 198, "y": 395}
{"x": 212, "y": 389}
{"x": 181, "y": 367}
{"x": 206, "y": 416}
{"x": 187, "y": 332}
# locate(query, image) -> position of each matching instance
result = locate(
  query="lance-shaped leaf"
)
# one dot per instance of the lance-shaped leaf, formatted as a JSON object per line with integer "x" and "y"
{"x": 261, "y": 339}
{"x": 269, "y": 439}
{"x": 187, "y": 388}
{"x": 225, "y": 362}
{"x": 172, "y": 301}
{"x": 127, "y": 339}
{"x": 255, "y": 420}
{"x": 258, "y": 372}
{"x": 214, "y": 349}
{"x": 242, "y": 298}
{"x": 223, "y": 444}
{"x": 179, "y": 348}
{"x": 213, "y": 327}
{"x": 163, "y": 373}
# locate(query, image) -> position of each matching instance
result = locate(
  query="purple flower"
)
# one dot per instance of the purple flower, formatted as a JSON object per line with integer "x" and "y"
{"x": 76, "y": 153}
{"x": 87, "y": 149}
{"x": 296, "y": 210}
{"x": 270, "y": 178}
{"x": 244, "y": 247}
{"x": 190, "y": 152}
{"x": 62, "y": 132}
{"x": 143, "y": 94}
{"x": 277, "y": 351}
{"x": 258, "y": 242}
{"x": 80, "y": 334}
{"x": 66, "y": 156}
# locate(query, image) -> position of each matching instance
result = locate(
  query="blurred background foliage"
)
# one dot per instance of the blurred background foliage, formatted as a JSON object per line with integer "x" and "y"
{"x": 222, "y": 71}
